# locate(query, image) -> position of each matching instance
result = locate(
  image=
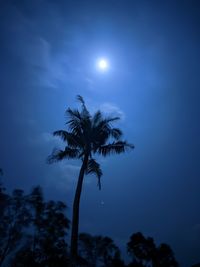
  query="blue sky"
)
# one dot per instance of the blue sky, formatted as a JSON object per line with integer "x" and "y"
{"x": 48, "y": 53}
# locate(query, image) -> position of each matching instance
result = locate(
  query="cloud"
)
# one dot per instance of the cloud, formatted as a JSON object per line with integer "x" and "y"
{"x": 46, "y": 139}
{"x": 36, "y": 49}
{"x": 62, "y": 176}
{"x": 112, "y": 109}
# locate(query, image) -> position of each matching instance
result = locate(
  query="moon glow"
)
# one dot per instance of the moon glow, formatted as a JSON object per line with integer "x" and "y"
{"x": 102, "y": 64}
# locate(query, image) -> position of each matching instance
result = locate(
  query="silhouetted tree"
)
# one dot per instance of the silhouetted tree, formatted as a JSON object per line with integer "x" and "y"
{"x": 87, "y": 135}
{"x": 46, "y": 243}
{"x": 14, "y": 218}
{"x": 140, "y": 248}
{"x": 3, "y": 200}
{"x": 98, "y": 250}
{"x": 3, "y": 196}
{"x": 165, "y": 256}
{"x": 134, "y": 263}
{"x": 117, "y": 261}
{"x": 144, "y": 252}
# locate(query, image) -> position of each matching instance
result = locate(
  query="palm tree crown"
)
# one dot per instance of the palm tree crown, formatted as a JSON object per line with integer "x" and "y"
{"x": 89, "y": 135}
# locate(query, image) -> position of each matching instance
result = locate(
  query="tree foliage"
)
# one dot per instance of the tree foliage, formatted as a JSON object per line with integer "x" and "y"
{"x": 14, "y": 217}
{"x": 144, "y": 252}
{"x": 46, "y": 244}
{"x": 98, "y": 251}
{"x": 32, "y": 231}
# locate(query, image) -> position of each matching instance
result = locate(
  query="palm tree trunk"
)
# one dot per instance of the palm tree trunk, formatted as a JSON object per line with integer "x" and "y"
{"x": 75, "y": 216}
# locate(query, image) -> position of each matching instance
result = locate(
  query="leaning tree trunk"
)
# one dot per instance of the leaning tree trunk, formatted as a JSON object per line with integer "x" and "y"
{"x": 75, "y": 216}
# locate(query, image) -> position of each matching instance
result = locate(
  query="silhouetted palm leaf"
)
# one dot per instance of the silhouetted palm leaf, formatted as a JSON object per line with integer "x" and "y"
{"x": 114, "y": 148}
{"x": 97, "y": 118}
{"x": 116, "y": 133}
{"x": 68, "y": 153}
{"x": 85, "y": 113}
{"x": 80, "y": 99}
{"x": 72, "y": 139}
{"x": 93, "y": 167}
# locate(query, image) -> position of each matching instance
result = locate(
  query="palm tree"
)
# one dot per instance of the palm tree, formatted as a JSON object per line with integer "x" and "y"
{"x": 87, "y": 135}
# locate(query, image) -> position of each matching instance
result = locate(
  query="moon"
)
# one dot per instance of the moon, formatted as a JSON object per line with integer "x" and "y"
{"x": 102, "y": 64}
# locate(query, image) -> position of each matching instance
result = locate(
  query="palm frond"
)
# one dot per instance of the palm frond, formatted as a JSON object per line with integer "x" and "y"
{"x": 58, "y": 155}
{"x": 75, "y": 127}
{"x": 97, "y": 117}
{"x": 116, "y": 133}
{"x": 102, "y": 130}
{"x": 111, "y": 119}
{"x": 74, "y": 121}
{"x": 80, "y": 99}
{"x": 72, "y": 139}
{"x": 73, "y": 114}
{"x": 84, "y": 112}
{"x": 104, "y": 124}
{"x": 93, "y": 167}
{"x": 114, "y": 148}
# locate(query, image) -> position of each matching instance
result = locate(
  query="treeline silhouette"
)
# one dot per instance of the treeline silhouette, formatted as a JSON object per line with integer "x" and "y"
{"x": 34, "y": 233}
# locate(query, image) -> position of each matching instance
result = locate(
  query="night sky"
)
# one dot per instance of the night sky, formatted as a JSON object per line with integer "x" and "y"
{"x": 48, "y": 53}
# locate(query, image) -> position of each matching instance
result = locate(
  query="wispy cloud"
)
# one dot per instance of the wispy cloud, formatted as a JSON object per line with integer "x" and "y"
{"x": 112, "y": 109}
{"x": 46, "y": 139}
{"x": 62, "y": 176}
